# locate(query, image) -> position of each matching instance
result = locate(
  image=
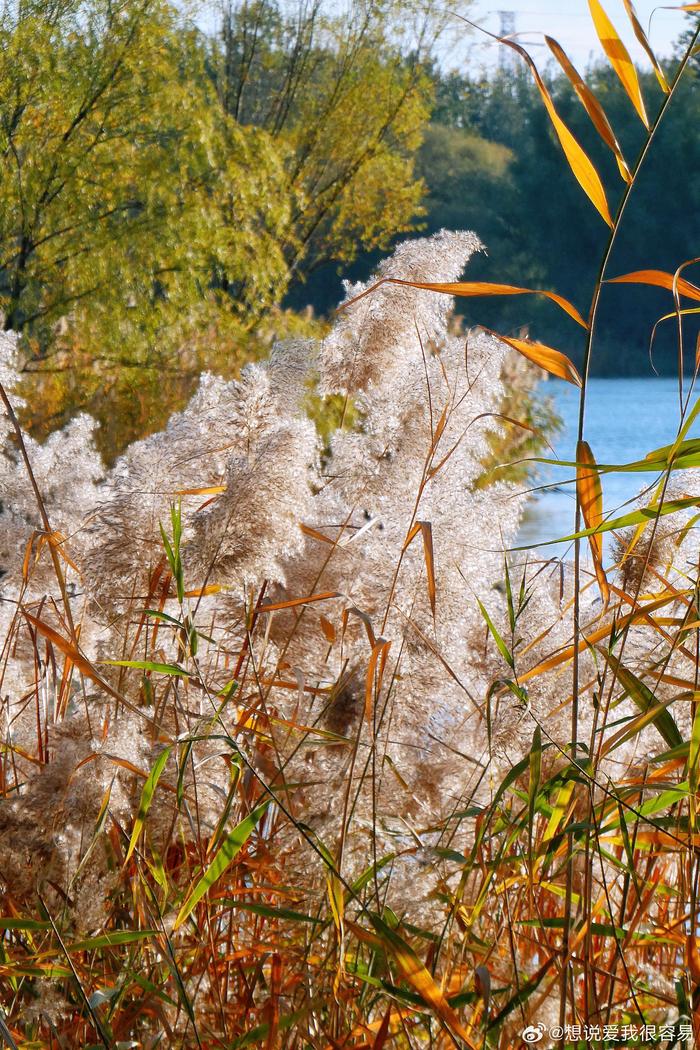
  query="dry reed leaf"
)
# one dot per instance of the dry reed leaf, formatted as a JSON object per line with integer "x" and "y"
{"x": 328, "y": 629}
{"x": 365, "y": 620}
{"x": 592, "y": 106}
{"x": 274, "y": 1003}
{"x": 579, "y": 162}
{"x": 383, "y": 1030}
{"x": 590, "y": 495}
{"x": 426, "y": 531}
{"x": 642, "y": 613}
{"x": 660, "y": 279}
{"x": 644, "y": 42}
{"x": 202, "y": 592}
{"x": 380, "y": 651}
{"x": 549, "y": 359}
{"x": 275, "y": 606}
{"x": 471, "y": 289}
{"x": 315, "y": 535}
{"x": 693, "y": 957}
{"x": 619, "y": 58}
{"x": 206, "y": 490}
{"x": 71, "y": 651}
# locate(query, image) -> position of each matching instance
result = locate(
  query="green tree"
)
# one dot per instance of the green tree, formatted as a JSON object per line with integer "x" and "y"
{"x": 346, "y": 95}
{"x": 124, "y": 189}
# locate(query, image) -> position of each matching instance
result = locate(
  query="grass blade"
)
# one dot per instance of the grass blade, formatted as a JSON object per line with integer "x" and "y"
{"x": 645, "y": 700}
{"x": 150, "y": 665}
{"x": 147, "y": 798}
{"x": 226, "y": 853}
{"x": 636, "y": 517}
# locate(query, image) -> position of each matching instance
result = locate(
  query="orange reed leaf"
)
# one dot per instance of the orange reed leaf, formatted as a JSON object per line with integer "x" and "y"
{"x": 619, "y": 58}
{"x": 72, "y": 653}
{"x": 660, "y": 279}
{"x": 205, "y": 490}
{"x": 202, "y": 592}
{"x": 579, "y": 162}
{"x": 644, "y": 42}
{"x": 426, "y": 531}
{"x": 275, "y": 991}
{"x": 275, "y": 606}
{"x": 591, "y": 105}
{"x": 328, "y": 630}
{"x": 375, "y": 669}
{"x": 590, "y": 494}
{"x": 590, "y": 638}
{"x": 472, "y": 289}
{"x": 315, "y": 535}
{"x": 552, "y": 361}
{"x": 383, "y": 1030}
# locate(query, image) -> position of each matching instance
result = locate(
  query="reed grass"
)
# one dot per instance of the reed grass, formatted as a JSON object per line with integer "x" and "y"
{"x": 228, "y": 816}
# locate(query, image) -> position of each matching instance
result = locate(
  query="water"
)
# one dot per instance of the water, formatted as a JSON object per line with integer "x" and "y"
{"x": 625, "y": 419}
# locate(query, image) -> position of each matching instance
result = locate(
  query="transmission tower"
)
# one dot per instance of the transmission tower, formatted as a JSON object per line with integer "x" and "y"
{"x": 506, "y": 55}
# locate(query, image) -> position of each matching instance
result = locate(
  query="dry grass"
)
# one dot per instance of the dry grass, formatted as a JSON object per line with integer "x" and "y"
{"x": 558, "y": 888}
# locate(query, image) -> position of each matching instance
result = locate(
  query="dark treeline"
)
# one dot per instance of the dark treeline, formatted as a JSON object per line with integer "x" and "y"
{"x": 491, "y": 162}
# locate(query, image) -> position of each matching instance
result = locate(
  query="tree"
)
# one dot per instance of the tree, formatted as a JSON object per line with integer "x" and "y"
{"x": 347, "y": 100}
{"x": 125, "y": 188}
{"x": 160, "y": 190}
{"x": 111, "y": 166}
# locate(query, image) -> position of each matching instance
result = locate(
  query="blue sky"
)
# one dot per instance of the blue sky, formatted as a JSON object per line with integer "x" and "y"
{"x": 569, "y": 22}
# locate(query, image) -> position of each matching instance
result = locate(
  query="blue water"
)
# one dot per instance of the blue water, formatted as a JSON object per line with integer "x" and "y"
{"x": 625, "y": 419}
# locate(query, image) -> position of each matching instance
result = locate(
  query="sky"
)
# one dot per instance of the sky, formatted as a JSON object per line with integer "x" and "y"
{"x": 569, "y": 22}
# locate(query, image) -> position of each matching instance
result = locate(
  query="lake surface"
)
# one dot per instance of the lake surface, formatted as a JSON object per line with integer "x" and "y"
{"x": 625, "y": 419}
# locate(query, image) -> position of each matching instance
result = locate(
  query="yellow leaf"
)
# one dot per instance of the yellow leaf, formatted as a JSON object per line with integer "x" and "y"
{"x": 206, "y": 490}
{"x": 579, "y": 162}
{"x": 552, "y": 361}
{"x": 592, "y": 106}
{"x": 660, "y": 279}
{"x": 619, "y": 58}
{"x": 642, "y": 38}
{"x": 590, "y": 495}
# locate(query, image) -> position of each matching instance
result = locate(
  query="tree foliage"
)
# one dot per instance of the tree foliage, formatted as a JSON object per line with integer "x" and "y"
{"x": 148, "y": 217}
{"x": 336, "y": 89}
{"x": 123, "y": 189}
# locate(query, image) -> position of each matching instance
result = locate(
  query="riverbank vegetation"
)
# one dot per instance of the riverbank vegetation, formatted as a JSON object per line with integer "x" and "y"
{"x": 299, "y": 749}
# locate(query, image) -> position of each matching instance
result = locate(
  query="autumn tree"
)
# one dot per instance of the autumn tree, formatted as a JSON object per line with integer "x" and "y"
{"x": 343, "y": 91}
{"x": 124, "y": 189}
